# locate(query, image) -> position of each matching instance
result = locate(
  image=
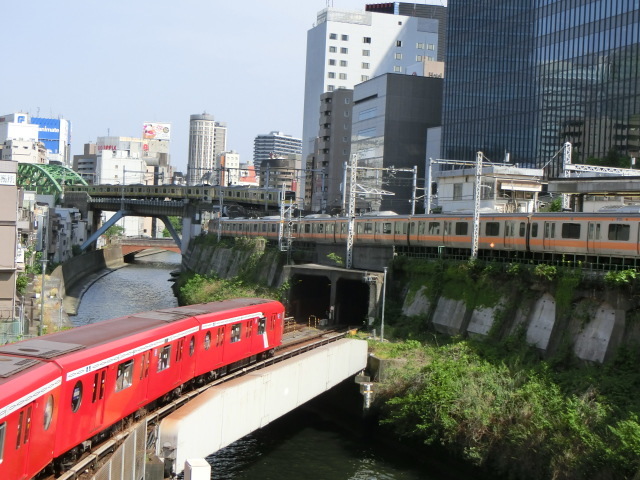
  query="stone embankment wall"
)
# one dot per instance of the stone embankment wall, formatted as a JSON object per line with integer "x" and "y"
{"x": 598, "y": 323}
{"x": 253, "y": 260}
{"x": 72, "y": 273}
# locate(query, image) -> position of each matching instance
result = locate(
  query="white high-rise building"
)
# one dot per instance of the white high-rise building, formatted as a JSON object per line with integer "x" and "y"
{"x": 346, "y": 48}
{"x": 207, "y": 139}
{"x": 272, "y": 145}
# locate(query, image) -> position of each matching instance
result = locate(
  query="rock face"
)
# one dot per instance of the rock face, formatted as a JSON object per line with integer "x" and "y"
{"x": 596, "y": 329}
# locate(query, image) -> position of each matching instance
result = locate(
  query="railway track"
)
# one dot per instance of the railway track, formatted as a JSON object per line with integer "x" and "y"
{"x": 295, "y": 342}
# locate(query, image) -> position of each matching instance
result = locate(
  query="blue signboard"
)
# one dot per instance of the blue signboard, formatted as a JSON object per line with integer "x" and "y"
{"x": 49, "y": 133}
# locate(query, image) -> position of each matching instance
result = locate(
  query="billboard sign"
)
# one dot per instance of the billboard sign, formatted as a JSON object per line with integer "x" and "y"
{"x": 48, "y": 132}
{"x": 156, "y": 131}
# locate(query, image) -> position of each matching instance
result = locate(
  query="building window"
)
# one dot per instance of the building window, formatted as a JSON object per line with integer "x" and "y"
{"x": 346, "y": 113}
{"x": 418, "y": 58}
{"x": 420, "y": 46}
{"x": 345, "y": 38}
{"x": 365, "y": 65}
{"x": 366, "y": 40}
{"x": 330, "y": 88}
{"x": 347, "y": 101}
{"x": 431, "y": 46}
{"x": 398, "y": 43}
{"x": 333, "y": 36}
{"x": 331, "y": 75}
{"x": 457, "y": 191}
{"x": 397, "y": 69}
{"x": 333, "y": 49}
{"x": 344, "y": 50}
{"x": 398, "y": 56}
{"x": 332, "y": 61}
{"x": 366, "y": 53}
{"x": 364, "y": 78}
{"x": 343, "y": 63}
{"x": 343, "y": 76}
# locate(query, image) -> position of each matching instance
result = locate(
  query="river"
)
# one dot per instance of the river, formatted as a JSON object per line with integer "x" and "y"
{"x": 309, "y": 443}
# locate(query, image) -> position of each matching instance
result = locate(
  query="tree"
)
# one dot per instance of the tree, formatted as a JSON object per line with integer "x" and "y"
{"x": 114, "y": 231}
{"x": 176, "y": 222}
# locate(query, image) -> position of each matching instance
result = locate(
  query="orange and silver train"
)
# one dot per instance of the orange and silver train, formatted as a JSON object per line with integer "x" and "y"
{"x": 614, "y": 235}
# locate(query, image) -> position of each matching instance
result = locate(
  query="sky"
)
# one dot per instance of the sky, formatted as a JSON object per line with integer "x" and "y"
{"x": 108, "y": 67}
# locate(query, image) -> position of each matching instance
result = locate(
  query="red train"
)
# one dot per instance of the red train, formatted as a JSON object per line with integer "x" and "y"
{"x": 539, "y": 235}
{"x": 64, "y": 389}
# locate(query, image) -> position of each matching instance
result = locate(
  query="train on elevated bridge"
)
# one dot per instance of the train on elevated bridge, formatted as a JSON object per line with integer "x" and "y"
{"x": 260, "y": 198}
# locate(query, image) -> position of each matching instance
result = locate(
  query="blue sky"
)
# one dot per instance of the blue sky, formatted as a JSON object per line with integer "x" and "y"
{"x": 110, "y": 66}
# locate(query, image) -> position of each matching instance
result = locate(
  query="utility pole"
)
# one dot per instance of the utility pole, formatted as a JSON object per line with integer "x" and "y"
{"x": 45, "y": 242}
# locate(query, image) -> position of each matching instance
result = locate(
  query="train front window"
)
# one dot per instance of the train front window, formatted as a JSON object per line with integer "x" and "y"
{"x": 76, "y": 396}
{"x": 48, "y": 415}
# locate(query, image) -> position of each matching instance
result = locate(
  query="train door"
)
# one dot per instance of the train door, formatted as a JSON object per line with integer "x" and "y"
{"x": 593, "y": 237}
{"x": 98, "y": 397}
{"x": 509, "y": 234}
{"x": 20, "y": 456}
{"x": 145, "y": 361}
{"x": 549, "y": 235}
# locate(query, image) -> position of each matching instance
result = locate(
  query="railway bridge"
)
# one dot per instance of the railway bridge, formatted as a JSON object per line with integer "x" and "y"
{"x": 207, "y": 420}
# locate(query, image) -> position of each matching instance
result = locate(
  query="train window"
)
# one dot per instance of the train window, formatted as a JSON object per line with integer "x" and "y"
{"x": 164, "y": 361}
{"x": 619, "y": 231}
{"x": 523, "y": 229}
{"x": 48, "y": 414}
{"x": 262, "y": 325}
{"x": 421, "y": 228}
{"x": 434, "y": 228}
{"x": 249, "y": 328}
{"x": 192, "y": 346}
{"x": 359, "y": 228}
{"x": 207, "y": 341}
{"x": 307, "y": 228}
{"x": 264, "y": 227}
{"x": 3, "y": 430}
{"x": 368, "y": 227}
{"x": 220, "y": 339}
{"x": 236, "y": 332}
{"x": 401, "y": 228}
{"x": 320, "y": 228}
{"x": 76, "y": 396}
{"x": 492, "y": 229}
{"x": 447, "y": 228}
{"x": 412, "y": 228}
{"x": 95, "y": 388}
{"x": 331, "y": 228}
{"x": 570, "y": 230}
{"x": 179, "y": 350}
{"x": 124, "y": 377}
{"x": 343, "y": 228}
{"x": 19, "y": 429}
{"x": 462, "y": 228}
{"x": 273, "y": 227}
{"x": 534, "y": 229}
{"x": 386, "y": 228}
{"x": 27, "y": 425}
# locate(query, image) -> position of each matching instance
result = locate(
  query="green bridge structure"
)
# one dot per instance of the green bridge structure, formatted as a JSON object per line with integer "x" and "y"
{"x": 47, "y": 179}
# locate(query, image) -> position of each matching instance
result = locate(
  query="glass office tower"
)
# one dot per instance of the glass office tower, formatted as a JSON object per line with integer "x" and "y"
{"x": 525, "y": 76}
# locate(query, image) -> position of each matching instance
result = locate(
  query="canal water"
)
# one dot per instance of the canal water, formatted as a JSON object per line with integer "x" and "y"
{"x": 311, "y": 443}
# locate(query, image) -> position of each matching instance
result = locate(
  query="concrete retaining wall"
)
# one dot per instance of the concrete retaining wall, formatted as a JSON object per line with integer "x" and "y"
{"x": 595, "y": 331}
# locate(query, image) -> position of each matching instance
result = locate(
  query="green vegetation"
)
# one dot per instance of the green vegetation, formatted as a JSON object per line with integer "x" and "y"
{"x": 196, "y": 288}
{"x": 114, "y": 231}
{"x": 496, "y": 406}
{"x": 176, "y": 223}
{"x": 337, "y": 259}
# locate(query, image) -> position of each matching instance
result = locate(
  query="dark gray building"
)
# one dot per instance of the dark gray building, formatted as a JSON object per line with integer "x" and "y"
{"x": 332, "y": 149}
{"x": 391, "y": 116}
{"x": 523, "y": 77}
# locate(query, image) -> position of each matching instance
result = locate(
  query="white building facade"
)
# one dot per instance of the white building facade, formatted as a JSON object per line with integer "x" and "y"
{"x": 207, "y": 139}
{"x": 346, "y": 48}
{"x": 274, "y": 144}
